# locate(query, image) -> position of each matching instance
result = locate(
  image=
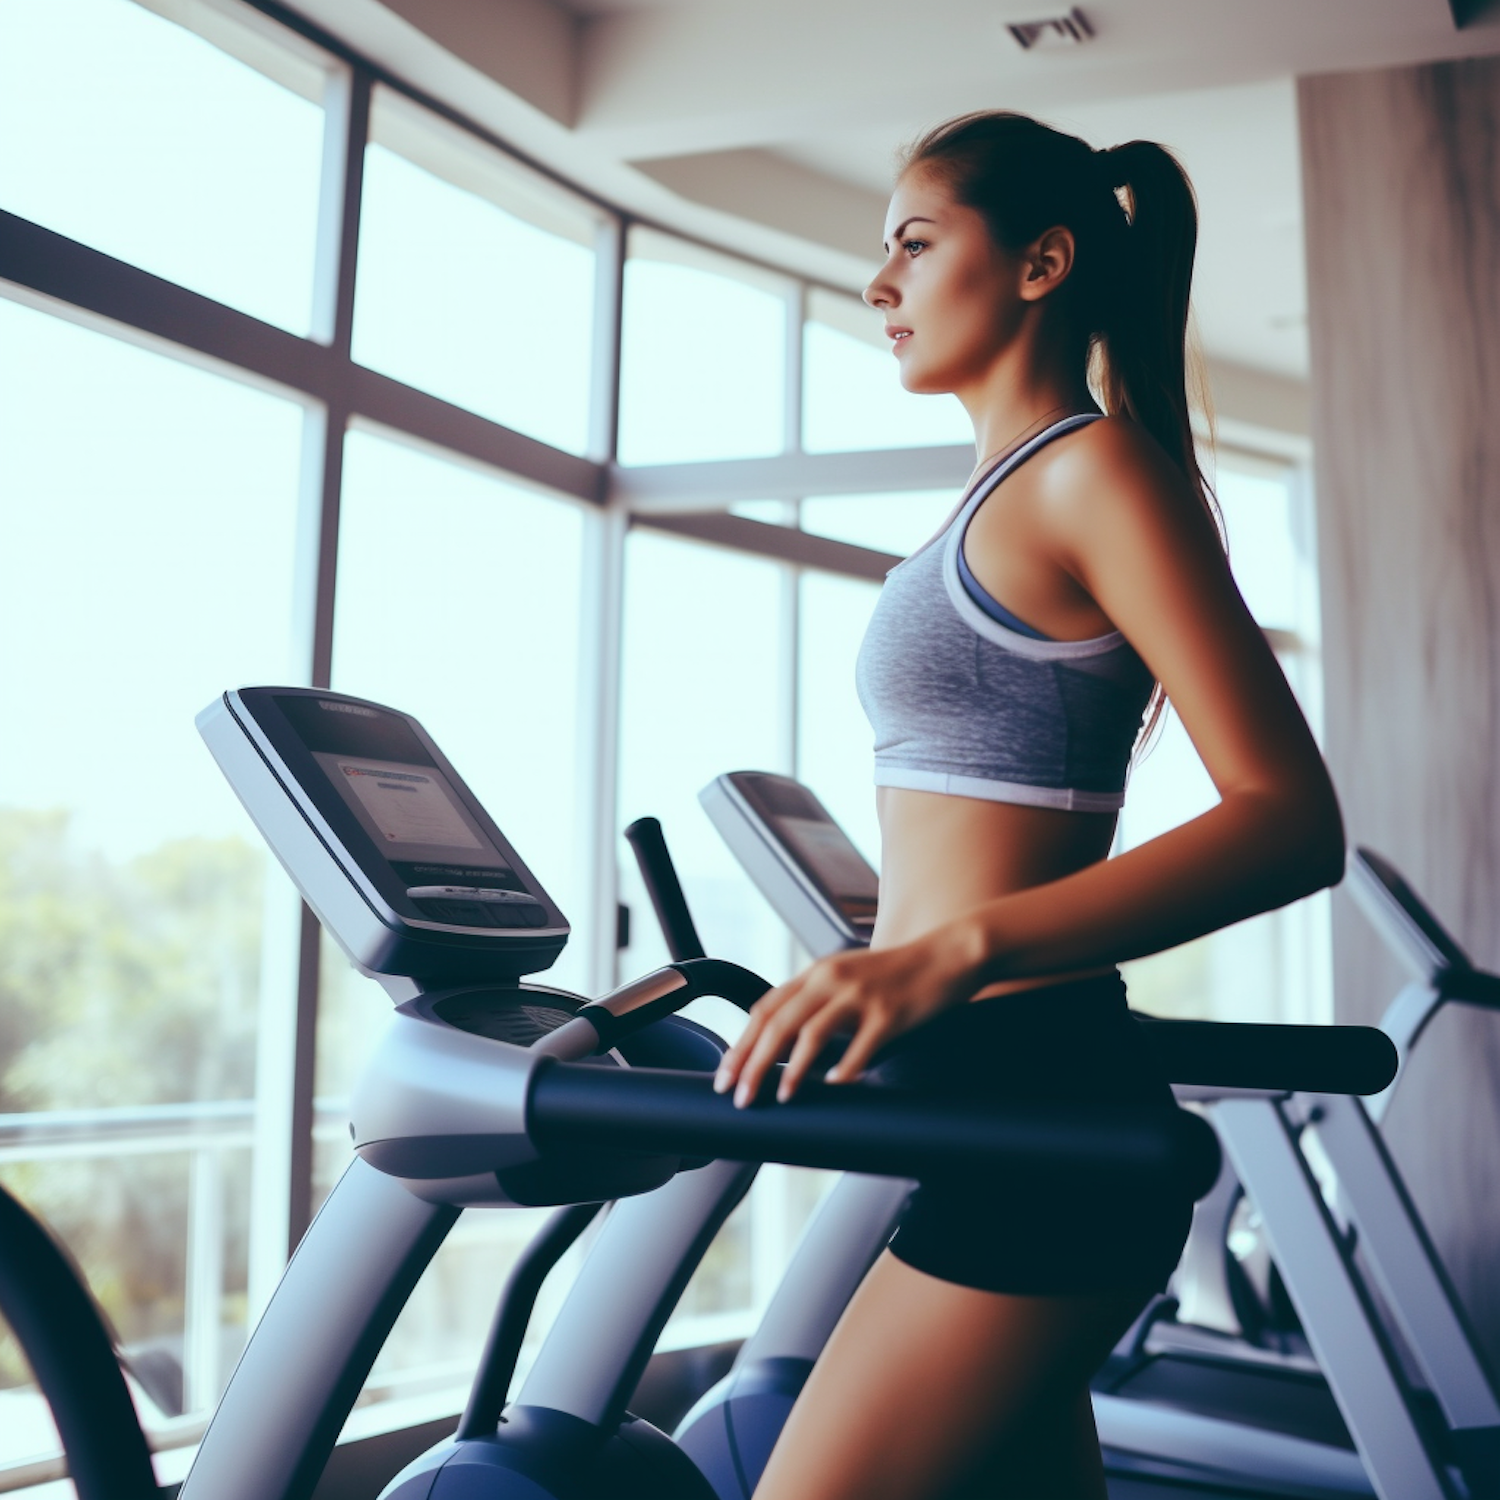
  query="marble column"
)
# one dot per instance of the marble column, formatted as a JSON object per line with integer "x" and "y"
{"x": 1401, "y": 179}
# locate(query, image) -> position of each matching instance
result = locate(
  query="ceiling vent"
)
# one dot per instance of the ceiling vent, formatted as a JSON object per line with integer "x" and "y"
{"x": 1054, "y": 31}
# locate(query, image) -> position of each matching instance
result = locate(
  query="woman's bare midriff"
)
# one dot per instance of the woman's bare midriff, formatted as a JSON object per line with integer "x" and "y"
{"x": 943, "y": 855}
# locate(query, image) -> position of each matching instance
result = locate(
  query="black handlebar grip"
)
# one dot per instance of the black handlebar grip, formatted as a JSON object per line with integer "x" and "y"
{"x": 717, "y": 976}
{"x": 1300, "y": 1059}
{"x": 664, "y": 888}
{"x": 853, "y": 1127}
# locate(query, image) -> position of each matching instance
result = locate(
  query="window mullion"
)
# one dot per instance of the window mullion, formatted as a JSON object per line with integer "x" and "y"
{"x": 287, "y": 1046}
{"x": 599, "y": 726}
{"x": 609, "y": 304}
{"x": 796, "y": 316}
{"x": 347, "y": 124}
{"x": 604, "y": 589}
{"x": 343, "y": 184}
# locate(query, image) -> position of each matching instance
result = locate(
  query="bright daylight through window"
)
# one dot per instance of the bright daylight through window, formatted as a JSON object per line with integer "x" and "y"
{"x": 476, "y": 276}
{"x": 197, "y": 158}
{"x": 131, "y": 887}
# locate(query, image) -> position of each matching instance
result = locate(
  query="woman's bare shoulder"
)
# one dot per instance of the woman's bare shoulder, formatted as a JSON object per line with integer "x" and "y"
{"x": 1113, "y": 473}
{"x": 1106, "y": 457}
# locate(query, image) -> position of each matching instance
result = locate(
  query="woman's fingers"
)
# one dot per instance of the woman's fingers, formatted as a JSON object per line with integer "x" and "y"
{"x": 759, "y": 1014}
{"x": 811, "y": 1040}
{"x": 868, "y": 993}
{"x": 874, "y": 1031}
{"x": 732, "y": 1064}
{"x": 774, "y": 1042}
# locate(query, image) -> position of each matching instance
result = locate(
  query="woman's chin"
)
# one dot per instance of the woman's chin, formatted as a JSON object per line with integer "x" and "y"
{"x": 921, "y": 382}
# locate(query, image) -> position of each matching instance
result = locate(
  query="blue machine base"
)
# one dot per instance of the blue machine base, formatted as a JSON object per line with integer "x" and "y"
{"x": 548, "y": 1455}
{"x": 729, "y": 1434}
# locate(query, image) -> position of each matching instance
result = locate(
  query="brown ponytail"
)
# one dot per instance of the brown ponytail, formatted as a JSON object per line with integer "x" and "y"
{"x": 1140, "y": 362}
{"x": 1135, "y": 229}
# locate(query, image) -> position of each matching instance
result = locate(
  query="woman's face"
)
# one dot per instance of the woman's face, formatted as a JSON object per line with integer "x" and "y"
{"x": 951, "y": 296}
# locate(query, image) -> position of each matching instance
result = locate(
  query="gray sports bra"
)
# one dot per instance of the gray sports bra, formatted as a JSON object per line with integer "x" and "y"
{"x": 963, "y": 703}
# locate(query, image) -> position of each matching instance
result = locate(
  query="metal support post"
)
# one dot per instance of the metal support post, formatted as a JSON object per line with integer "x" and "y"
{"x": 1335, "y": 1311}
{"x": 1404, "y": 1264}
{"x": 204, "y": 1294}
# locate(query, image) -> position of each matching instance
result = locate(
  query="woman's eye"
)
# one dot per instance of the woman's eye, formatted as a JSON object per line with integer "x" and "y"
{"x": 914, "y": 247}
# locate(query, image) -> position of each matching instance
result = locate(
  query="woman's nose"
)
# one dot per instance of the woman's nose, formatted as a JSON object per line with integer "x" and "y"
{"x": 878, "y": 294}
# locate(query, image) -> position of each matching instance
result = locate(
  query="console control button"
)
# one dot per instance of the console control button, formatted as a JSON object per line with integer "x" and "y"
{"x": 478, "y": 906}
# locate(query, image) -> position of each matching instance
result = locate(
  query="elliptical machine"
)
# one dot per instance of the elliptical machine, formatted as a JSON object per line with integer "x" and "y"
{"x": 490, "y": 1090}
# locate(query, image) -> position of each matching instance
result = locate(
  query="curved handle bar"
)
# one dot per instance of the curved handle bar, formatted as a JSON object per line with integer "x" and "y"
{"x": 604, "y": 1022}
{"x": 717, "y": 976}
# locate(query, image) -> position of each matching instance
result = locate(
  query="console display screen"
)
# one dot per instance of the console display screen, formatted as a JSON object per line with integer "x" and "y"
{"x": 407, "y": 804}
{"x": 826, "y": 851}
{"x": 801, "y": 824}
{"x": 411, "y": 811}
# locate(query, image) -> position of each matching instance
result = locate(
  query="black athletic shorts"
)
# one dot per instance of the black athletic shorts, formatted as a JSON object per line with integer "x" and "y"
{"x": 1067, "y": 1042}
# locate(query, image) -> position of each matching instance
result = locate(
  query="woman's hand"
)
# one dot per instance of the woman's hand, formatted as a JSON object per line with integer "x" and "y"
{"x": 877, "y": 994}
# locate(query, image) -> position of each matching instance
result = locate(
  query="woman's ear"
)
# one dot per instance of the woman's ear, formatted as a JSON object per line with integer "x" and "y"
{"x": 1047, "y": 263}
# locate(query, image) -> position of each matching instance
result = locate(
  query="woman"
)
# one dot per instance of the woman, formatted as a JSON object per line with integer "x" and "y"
{"x": 1006, "y": 671}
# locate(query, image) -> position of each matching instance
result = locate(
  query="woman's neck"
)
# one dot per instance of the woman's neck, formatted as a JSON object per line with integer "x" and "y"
{"x": 1022, "y": 394}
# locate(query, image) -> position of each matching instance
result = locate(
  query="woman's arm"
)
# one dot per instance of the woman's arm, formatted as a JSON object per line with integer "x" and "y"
{"x": 1122, "y": 520}
{"x": 1125, "y": 524}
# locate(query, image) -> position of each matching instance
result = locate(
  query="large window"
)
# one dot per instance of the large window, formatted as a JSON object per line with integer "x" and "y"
{"x": 703, "y": 373}
{"x": 703, "y": 692}
{"x": 411, "y": 498}
{"x": 851, "y": 396}
{"x": 835, "y": 746}
{"x": 461, "y": 599}
{"x": 476, "y": 276}
{"x": 194, "y": 155}
{"x": 895, "y": 523}
{"x": 150, "y": 516}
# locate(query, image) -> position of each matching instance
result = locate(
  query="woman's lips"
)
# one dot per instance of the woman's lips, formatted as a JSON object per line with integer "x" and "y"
{"x": 898, "y": 337}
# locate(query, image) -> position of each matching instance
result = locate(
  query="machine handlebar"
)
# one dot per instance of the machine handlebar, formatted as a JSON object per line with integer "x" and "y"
{"x": 854, "y": 1127}
{"x": 605, "y": 1022}
{"x": 659, "y": 876}
{"x": 1213, "y": 1054}
{"x": 1288, "y": 1059}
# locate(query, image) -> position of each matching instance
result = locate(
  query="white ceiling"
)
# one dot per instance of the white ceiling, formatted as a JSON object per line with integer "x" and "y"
{"x": 771, "y": 126}
{"x": 709, "y": 74}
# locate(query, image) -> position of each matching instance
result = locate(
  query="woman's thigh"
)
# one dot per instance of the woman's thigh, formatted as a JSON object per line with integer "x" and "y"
{"x": 928, "y": 1389}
